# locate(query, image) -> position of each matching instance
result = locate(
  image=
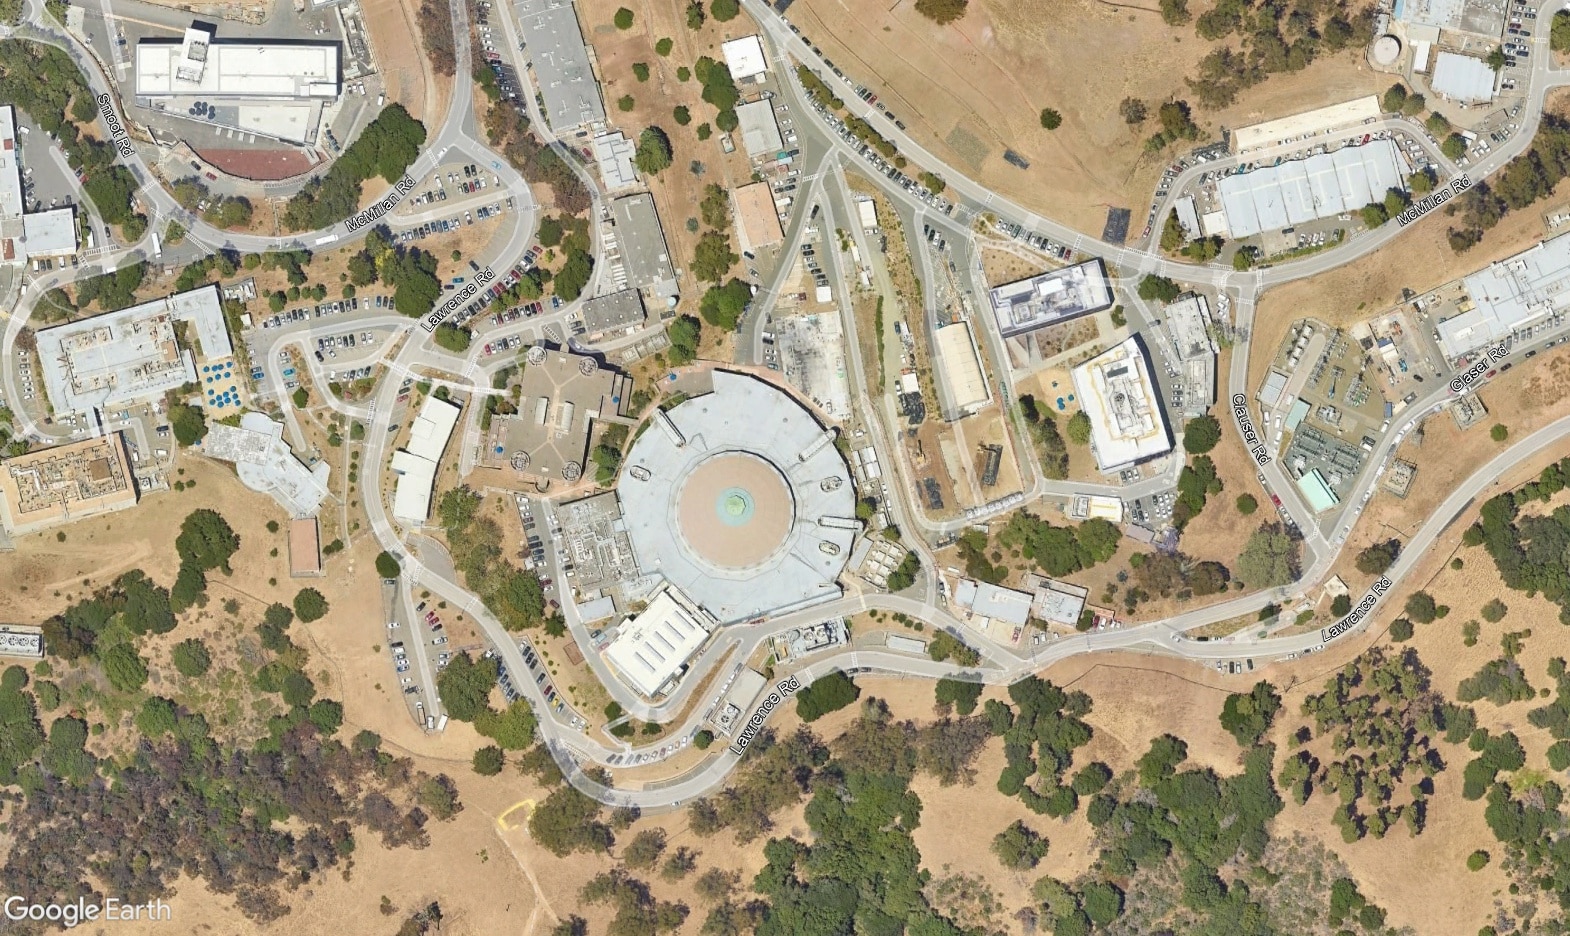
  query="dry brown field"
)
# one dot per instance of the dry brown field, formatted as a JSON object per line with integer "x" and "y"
{"x": 969, "y": 90}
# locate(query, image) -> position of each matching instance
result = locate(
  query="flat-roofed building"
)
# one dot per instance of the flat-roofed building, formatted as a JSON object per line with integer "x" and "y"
{"x": 1056, "y": 602}
{"x": 967, "y": 386}
{"x": 652, "y": 649}
{"x": 744, "y": 57}
{"x": 614, "y": 153}
{"x": 991, "y": 602}
{"x": 757, "y": 221}
{"x": 417, "y": 463}
{"x": 1509, "y": 294}
{"x": 41, "y": 235}
{"x": 1298, "y": 127}
{"x": 59, "y": 485}
{"x": 132, "y": 355}
{"x": 1320, "y": 186}
{"x": 21, "y": 641}
{"x": 1317, "y": 491}
{"x": 560, "y": 397}
{"x": 305, "y": 548}
{"x": 556, "y": 50}
{"x": 1051, "y": 298}
{"x": 200, "y": 66}
{"x": 641, "y": 240}
{"x": 738, "y": 699}
{"x": 1115, "y": 389}
{"x": 1465, "y": 79}
{"x": 265, "y": 464}
{"x": 617, "y": 311}
{"x": 760, "y": 132}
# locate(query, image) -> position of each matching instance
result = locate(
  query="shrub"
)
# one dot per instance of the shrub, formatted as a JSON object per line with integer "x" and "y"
{"x": 1051, "y": 119}
{"x": 310, "y": 605}
{"x": 1246, "y": 504}
{"x": 623, "y": 18}
{"x": 489, "y": 760}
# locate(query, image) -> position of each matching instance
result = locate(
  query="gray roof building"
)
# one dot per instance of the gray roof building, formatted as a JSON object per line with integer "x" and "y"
{"x": 1302, "y": 190}
{"x": 561, "y": 63}
{"x": 644, "y": 255}
{"x": 1506, "y": 295}
{"x": 760, "y": 132}
{"x": 561, "y": 396}
{"x": 740, "y": 499}
{"x": 620, "y": 309}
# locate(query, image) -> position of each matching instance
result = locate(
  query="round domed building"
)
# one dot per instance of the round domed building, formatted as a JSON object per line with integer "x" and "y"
{"x": 739, "y": 498}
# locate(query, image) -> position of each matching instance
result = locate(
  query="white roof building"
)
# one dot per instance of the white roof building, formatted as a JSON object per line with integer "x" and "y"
{"x": 133, "y": 354}
{"x": 50, "y": 233}
{"x": 1509, "y": 294}
{"x": 961, "y": 367}
{"x": 46, "y": 234}
{"x": 1302, "y": 190}
{"x": 417, "y": 463}
{"x": 652, "y": 648}
{"x": 197, "y": 66}
{"x": 1341, "y": 116}
{"x": 1465, "y": 79}
{"x": 867, "y": 210}
{"x": 993, "y": 602}
{"x": 760, "y": 132}
{"x": 744, "y": 57}
{"x": 614, "y": 153}
{"x": 265, "y": 463}
{"x": 1127, "y": 425}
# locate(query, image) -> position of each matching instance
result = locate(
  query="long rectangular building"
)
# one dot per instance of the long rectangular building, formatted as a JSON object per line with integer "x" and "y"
{"x": 1308, "y": 124}
{"x": 562, "y": 72}
{"x": 1320, "y": 186}
{"x": 417, "y": 463}
{"x": 1051, "y": 298}
{"x": 199, "y": 66}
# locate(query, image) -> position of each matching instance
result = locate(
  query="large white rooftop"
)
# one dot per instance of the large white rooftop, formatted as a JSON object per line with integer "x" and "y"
{"x": 131, "y": 355}
{"x": 760, "y": 132}
{"x": 1464, "y": 78}
{"x": 239, "y": 69}
{"x": 1508, "y": 294}
{"x": 1347, "y": 114}
{"x": 561, "y": 63}
{"x": 740, "y": 499}
{"x": 1127, "y": 425}
{"x": 1051, "y": 298}
{"x": 264, "y": 463}
{"x": 744, "y": 57}
{"x": 652, "y": 648}
{"x": 418, "y": 461}
{"x": 1320, "y": 186}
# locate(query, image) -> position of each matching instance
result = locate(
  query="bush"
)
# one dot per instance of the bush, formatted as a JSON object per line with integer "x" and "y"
{"x": 1246, "y": 504}
{"x": 489, "y": 760}
{"x": 1494, "y": 611}
{"x": 310, "y": 605}
{"x": 1421, "y": 608}
{"x": 623, "y": 18}
{"x": 1019, "y": 847}
{"x": 1201, "y": 435}
{"x": 126, "y": 670}
{"x": 1477, "y": 861}
{"x": 1051, "y": 119}
{"x": 1401, "y": 630}
{"x": 664, "y": 46}
{"x": 941, "y": 12}
{"x": 827, "y": 694}
{"x": 191, "y": 657}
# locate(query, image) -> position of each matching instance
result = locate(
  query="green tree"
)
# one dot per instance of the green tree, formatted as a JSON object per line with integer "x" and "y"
{"x": 941, "y": 12}
{"x": 157, "y": 718}
{"x": 722, "y": 306}
{"x": 826, "y": 694}
{"x": 1421, "y": 607}
{"x": 310, "y": 605}
{"x": 1499, "y": 432}
{"x": 664, "y": 46}
{"x": 1269, "y": 558}
{"x": 1079, "y": 428}
{"x": 191, "y": 657}
{"x": 623, "y": 18}
{"x": 1158, "y": 288}
{"x": 724, "y": 11}
{"x": 695, "y": 16}
{"x": 206, "y": 541}
{"x": 1477, "y": 861}
{"x": 681, "y": 115}
{"x": 453, "y": 338}
{"x": 1248, "y": 716}
{"x": 1401, "y": 630}
{"x": 640, "y": 71}
{"x": 960, "y": 693}
{"x": 1395, "y": 98}
{"x": 489, "y": 760}
{"x": 1246, "y": 504}
{"x": 1019, "y": 847}
{"x": 126, "y": 669}
{"x": 1494, "y": 611}
{"x": 626, "y": 103}
{"x": 1200, "y": 435}
{"x": 465, "y": 686}
{"x": 684, "y": 333}
{"x": 1051, "y": 119}
{"x": 1559, "y": 34}
{"x": 1378, "y": 558}
{"x": 645, "y": 849}
{"x": 653, "y": 154}
{"x": 1454, "y": 146}
{"x": 387, "y": 565}
{"x": 187, "y": 423}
